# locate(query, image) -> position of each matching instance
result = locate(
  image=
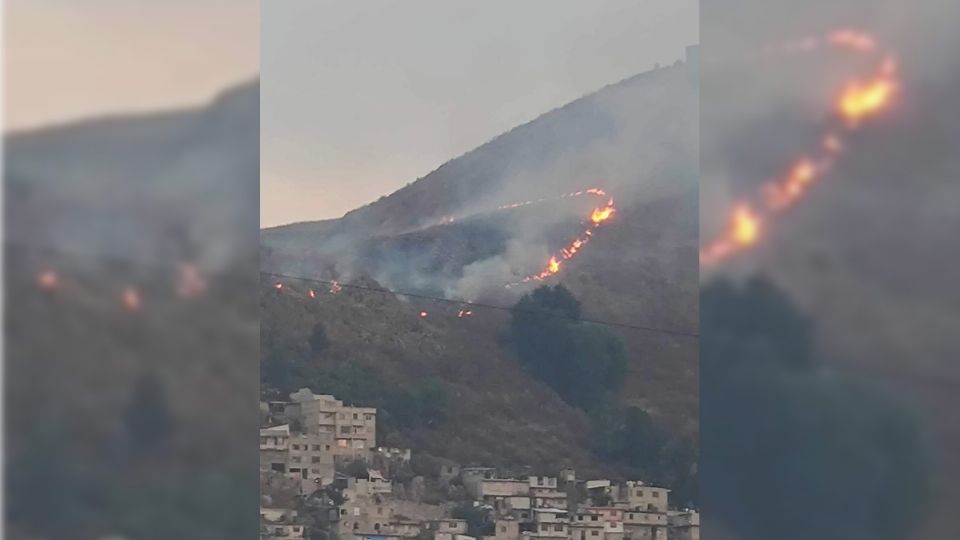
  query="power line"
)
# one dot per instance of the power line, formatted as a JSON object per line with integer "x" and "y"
{"x": 461, "y": 303}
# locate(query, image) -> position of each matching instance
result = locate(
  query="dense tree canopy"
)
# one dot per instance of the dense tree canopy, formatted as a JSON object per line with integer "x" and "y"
{"x": 791, "y": 451}
{"x": 584, "y": 363}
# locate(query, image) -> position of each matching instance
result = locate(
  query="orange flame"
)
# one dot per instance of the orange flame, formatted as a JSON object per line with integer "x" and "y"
{"x": 857, "y": 101}
{"x": 746, "y": 226}
{"x": 601, "y": 214}
{"x": 598, "y": 216}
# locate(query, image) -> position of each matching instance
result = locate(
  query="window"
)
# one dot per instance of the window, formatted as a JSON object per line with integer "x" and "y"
{"x": 296, "y": 459}
{"x": 316, "y": 447}
{"x": 558, "y": 527}
{"x": 594, "y": 533}
{"x": 315, "y": 471}
{"x": 356, "y": 416}
{"x": 344, "y": 429}
{"x": 315, "y": 459}
{"x": 594, "y": 518}
{"x": 656, "y": 494}
{"x": 639, "y": 493}
{"x": 503, "y": 528}
{"x": 327, "y": 448}
{"x": 296, "y": 447}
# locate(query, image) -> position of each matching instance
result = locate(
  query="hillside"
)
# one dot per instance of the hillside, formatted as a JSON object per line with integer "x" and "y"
{"x": 132, "y": 422}
{"x": 637, "y": 140}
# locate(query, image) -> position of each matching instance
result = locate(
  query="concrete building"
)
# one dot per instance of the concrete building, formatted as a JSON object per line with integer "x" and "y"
{"x": 684, "y": 525}
{"x": 280, "y": 523}
{"x": 637, "y": 495}
{"x": 613, "y": 530}
{"x": 504, "y": 495}
{"x": 274, "y": 448}
{"x": 371, "y": 514}
{"x": 353, "y": 429}
{"x": 645, "y": 525}
{"x": 449, "y": 529}
{"x": 505, "y": 529}
{"x": 542, "y": 482}
{"x": 548, "y": 524}
{"x": 451, "y": 526}
{"x": 548, "y": 498}
{"x": 472, "y": 477}
{"x": 306, "y": 457}
{"x": 586, "y": 527}
{"x": 503, "y": 487}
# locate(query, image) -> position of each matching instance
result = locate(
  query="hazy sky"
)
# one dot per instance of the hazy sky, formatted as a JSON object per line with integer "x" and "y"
{"x": 68, "y": 59}
{"x": 359, "y": 98}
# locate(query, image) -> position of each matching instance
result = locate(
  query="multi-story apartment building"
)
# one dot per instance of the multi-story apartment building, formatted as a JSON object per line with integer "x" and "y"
{"x": 684, "y": 525}
{"x": 306, "y": 457}
{"x": 353, "y": 429}
{"x": 645, "y": 525}
{"x": 637, "y": 495}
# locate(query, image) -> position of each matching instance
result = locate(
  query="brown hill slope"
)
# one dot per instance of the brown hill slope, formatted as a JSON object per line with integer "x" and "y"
{"x": 638, "y": 140}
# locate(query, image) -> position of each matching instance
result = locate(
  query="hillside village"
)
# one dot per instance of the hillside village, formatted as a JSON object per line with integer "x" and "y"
{"x": 324, "y": 477}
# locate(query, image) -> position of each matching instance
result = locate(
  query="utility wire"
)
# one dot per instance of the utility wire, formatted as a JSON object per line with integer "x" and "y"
{"x": 462, "y": 303}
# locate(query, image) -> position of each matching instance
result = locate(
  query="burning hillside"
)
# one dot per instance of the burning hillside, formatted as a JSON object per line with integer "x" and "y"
{"x": 859, "y": 100}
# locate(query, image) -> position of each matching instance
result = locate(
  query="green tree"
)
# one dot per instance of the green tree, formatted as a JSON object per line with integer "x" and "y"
{"x": 791, "y": 451}
{"x": 583, "y": 363}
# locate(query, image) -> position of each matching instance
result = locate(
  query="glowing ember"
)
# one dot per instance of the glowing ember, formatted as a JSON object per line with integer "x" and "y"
{"x": 464, "y": 313}
{"x": 746, "y": 226}
{"x": 335, "y": 287}
{"x": 311, "y": 293}
{"x": 853, "y": 39}
{"x": 832, "y": 144}
{"x": 423, "y": 314}
{"x": 278, "y": 286}
{"x": 48, "y": 280}
{"x": 602, "y": 214}
{"x": 860, "y": 100}
{"x": 130, "y": 299}
{"x": 597, "y": 217}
